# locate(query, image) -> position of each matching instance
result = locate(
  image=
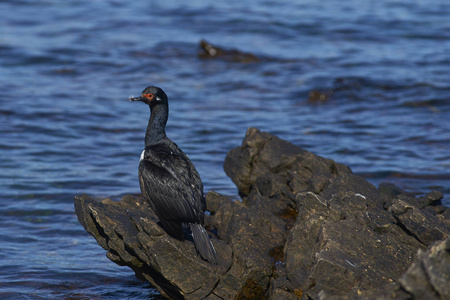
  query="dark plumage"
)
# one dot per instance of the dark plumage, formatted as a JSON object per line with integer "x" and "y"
{"x": 168, "y": 179}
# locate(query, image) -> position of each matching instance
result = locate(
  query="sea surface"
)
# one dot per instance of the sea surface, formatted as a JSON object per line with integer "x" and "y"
{"x": 67, "y": 69}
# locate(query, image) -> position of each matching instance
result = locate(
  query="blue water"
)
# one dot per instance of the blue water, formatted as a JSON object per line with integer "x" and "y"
{"x": 68, "y": 67}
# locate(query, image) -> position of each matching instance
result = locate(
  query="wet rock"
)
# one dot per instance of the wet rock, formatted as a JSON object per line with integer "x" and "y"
{"x": 209, "y": 50}
{"x": 306, "y": 228}
{"x": 318, "y": 97}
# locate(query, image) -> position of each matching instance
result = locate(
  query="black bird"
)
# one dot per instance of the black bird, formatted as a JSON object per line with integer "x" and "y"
{"x": 169, "y": 181}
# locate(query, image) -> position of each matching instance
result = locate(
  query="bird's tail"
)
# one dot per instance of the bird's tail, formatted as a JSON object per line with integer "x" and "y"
{"x": 203, "y": 244}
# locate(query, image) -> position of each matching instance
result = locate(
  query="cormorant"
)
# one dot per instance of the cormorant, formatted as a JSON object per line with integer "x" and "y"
{"x": 169, "y": 181}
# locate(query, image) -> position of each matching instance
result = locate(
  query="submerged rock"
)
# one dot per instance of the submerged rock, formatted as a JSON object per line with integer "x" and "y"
{"x": 208, "y": 50}
{"x": 318, "y": 97}
{"x": 307, "y": 228}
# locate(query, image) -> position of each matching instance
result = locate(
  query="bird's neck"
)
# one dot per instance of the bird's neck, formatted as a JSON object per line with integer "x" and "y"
{"x": 156, "y": 129}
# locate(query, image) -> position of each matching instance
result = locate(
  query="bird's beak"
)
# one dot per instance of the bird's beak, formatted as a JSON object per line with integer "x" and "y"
{"x": 140, "y": 98}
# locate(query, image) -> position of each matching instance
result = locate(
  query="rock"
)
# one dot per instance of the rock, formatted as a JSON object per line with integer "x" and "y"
{"x": 212, "y": 51}
{"x": 129, "y": 232}
{"x": 433, "y": 197}
{"x": 423, "y": 224}
{"x": 353, "y": 243}
{"x": 253, "y": 234}
{"x": 307, "y": 228}
{"x": 429, "y": 275}
{"x": 318, "y": 97}
{"x": 388, "y": 192}
{"x": 269, "y": 171}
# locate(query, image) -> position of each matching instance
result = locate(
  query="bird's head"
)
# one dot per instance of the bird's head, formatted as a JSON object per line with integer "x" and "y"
{"x": 152, "y": 96}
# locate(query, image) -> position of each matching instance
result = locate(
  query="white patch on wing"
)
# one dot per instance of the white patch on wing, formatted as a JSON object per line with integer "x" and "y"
{"x": 142, "y": 155}
{"x": 359, "y": 195}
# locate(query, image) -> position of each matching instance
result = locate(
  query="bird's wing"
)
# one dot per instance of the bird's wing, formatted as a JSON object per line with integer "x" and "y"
{"x": 171, "y": 184}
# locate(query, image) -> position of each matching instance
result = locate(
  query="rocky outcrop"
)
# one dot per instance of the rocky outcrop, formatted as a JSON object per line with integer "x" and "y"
{"x": 307, "y": 228}
{"x": 269, "y": 172}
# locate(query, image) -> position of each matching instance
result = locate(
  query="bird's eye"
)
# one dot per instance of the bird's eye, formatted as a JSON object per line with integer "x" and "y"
{"x": 148, "y": 96}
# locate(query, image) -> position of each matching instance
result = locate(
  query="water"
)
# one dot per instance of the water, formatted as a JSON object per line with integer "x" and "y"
{"x": 67, "y": 69}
